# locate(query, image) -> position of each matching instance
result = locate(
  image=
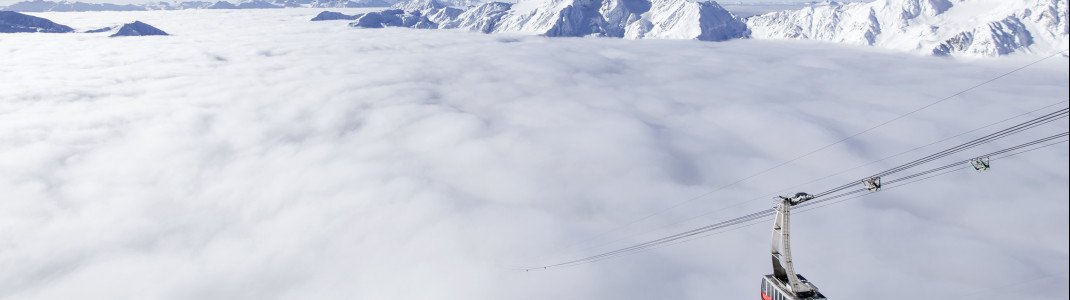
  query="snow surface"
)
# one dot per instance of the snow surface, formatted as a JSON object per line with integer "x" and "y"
{"x": 941, "y": 27}
{"x": 483, "y": 18}
{"x": 682, "y": 19}
{"x": 257, "y": 155}
{"x": 433, "y": 10}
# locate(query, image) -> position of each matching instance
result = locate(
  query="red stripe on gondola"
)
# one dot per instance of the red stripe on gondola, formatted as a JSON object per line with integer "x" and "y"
{"x": 766, "y": 297}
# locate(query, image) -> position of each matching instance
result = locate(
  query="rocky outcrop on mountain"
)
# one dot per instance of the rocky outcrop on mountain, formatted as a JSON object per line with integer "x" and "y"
{"x": 704, "y": 21}
{"x": 423, "y": 14}
{"x": 393, "y": 18}
{"x": 483, "y": 18}
{"x": 992, "y": 39}
{"x": 434, "y": 10}
{"x": 842, "y": 23}
{"x": 137, "y": 28}
{"x": 554, "y": 18}
{"x": 222, "y": 5}
{"x": 331, "y": 15}
{"x": 636, "y": 19}
{"x": 12, "y": 22}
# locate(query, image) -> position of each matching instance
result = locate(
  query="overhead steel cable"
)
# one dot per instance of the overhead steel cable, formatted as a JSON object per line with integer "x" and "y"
{"x": 1047, "y": 118}
{"x": 1014, "y": 129}
{"x": 808, "y": 154}
{"x": 857, "y": 194}
{"x": 968, "y": 161}
{"x": 769, "y": 212}
{"x": 900, "y": 153}
{"x": 1051, "y": 117}
{"x": 946, "y": 171}
{"x": 999, "y": 134}
{"x": 736, "y": 204}
{"x": 962, "y": 163}
{"x": 696, "y": 231}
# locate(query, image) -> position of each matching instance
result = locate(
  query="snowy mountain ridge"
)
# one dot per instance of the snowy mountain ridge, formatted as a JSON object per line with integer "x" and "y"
{"x": 136, "y": 28}
{"x": 975, "y": 28}
{"x": 633, "y": 19}
{"x": 12, "y": 22}
{"x": 433, "y": 10}
{"x": 981, "y": 28}
{"x": 937, "y": 27}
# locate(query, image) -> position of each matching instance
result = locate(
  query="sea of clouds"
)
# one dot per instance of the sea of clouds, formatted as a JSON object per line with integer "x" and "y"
{"x": 256, "y": 155}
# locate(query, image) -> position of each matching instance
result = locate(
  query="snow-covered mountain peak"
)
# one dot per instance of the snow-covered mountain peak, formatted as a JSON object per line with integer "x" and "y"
{"x": 916, "y": 8}
{"x": 681, "y": 19}
{"x": 417, "y": 5}
{"x": 1049, "y": 19}
{"x": 483, "y": 18}
{"x": 554, "y": 18}
{"x": 433, "y": 10}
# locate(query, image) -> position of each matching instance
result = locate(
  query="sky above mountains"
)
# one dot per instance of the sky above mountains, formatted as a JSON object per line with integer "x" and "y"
{"x": 9, "y": 2}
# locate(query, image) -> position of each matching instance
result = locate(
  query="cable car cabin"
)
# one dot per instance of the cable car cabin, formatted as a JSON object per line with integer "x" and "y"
{"x": 774, "y": 289}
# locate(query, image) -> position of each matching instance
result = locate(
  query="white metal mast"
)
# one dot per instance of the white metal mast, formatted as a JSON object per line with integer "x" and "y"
{"x": 783, "y": 268}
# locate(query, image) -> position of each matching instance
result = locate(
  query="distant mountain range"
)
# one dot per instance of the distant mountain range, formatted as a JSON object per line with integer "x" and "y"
{"x": 938, "y": 27}
{"x": 67, "y": 6}
{"x": 16, "y": 22}
{"x": 931, "y": 27}
{"x": 634, "y": 19}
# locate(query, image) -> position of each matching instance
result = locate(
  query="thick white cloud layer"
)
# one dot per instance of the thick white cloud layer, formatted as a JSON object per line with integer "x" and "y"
{"x": 256, "y": 155}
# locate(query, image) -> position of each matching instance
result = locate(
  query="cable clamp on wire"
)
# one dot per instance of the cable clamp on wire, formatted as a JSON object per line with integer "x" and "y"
{"x": 872, "y": 184}
{"x": 981, "y": 163}
{"x": 799, "y": 198}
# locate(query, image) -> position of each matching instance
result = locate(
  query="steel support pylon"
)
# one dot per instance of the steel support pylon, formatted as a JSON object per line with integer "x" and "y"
{"x": 783, "y": 268}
